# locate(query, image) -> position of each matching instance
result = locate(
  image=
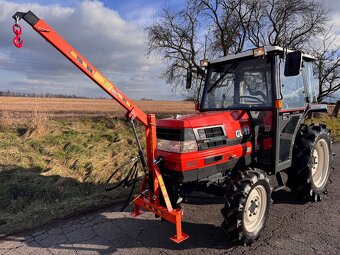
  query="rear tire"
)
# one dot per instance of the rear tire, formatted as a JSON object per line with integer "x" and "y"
{"x": 312, "y": 160}
{"x": 247, "y": 206}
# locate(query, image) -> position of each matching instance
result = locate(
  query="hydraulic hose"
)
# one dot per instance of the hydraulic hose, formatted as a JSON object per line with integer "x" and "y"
{"x": 131, "y": 177}
{"x": 128, "y": 181}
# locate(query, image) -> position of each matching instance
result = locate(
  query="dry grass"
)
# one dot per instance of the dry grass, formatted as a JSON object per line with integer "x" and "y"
{"x": 50, "y": 169}
{"x": 37, "y": 126}
{"x": 6, "y": 120}
{"x": 332, "y": 123}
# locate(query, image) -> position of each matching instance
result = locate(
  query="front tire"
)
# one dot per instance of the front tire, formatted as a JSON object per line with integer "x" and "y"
{"x": 312, "y": 160}
{"x": 247, "y": 207}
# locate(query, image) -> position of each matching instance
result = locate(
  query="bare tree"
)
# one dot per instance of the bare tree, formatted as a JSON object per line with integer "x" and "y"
{"x": 174, "y": 37}
{"x": 287, "y": 23}
{"x": 202, "y": 29}
{"x": 213, "y": 28}
{"x": 215, "y": 17}
{"x": 327, "y": 66}
{"x": 245, "y": 11}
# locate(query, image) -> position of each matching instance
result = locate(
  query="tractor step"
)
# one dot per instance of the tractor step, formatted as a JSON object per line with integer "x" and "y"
{"x": 281, "y": 185}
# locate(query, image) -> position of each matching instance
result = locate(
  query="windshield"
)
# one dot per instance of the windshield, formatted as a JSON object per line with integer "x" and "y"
{"x": 238, "y": 85}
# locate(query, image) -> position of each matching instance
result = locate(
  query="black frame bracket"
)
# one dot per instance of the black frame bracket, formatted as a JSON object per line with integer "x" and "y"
{"x": 29, "y": 17}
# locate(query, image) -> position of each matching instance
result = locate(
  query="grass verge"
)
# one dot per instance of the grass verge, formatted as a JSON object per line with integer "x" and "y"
{"x": 50, "y": 169}
{"x": 332, "y": 123}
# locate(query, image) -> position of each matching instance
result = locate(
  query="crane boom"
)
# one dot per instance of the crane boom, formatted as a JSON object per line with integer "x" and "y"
{"x": 43, "y": 29}
{"x": 157, "y": 189}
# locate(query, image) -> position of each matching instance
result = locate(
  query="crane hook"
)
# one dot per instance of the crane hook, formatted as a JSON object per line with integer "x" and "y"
{"x": 17, "y": 41}
{"x": 17, "y": 30}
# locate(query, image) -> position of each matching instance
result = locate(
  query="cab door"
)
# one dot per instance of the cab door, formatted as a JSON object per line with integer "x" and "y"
{"x": 289, "y": 117}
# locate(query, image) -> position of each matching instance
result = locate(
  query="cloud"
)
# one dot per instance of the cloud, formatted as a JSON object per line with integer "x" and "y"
{"x": 112, "y": 44}
{"x": 334, "y": 12}
{"x": 332, "y": 5}
{"x": 142, "y": 16}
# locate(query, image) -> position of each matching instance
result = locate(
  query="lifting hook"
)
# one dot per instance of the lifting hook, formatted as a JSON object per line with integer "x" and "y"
{"x": 17, "y": 31}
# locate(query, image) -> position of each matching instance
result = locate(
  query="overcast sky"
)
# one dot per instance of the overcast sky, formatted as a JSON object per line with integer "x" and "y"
{"x": 109, "y": 34}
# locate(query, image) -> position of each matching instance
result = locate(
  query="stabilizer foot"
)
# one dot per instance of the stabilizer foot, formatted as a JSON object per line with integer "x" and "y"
{"x": 179, "y": 239}
{"x": 135, "y": 214}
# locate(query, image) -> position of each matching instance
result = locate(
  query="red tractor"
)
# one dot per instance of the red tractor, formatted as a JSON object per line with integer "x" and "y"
{"x": 250, "y": 125}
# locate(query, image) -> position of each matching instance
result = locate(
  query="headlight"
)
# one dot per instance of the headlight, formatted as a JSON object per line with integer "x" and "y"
{"x": 176, "y": 146}
{"x": 204, "y": 62}
{"x": 258, "y": 52}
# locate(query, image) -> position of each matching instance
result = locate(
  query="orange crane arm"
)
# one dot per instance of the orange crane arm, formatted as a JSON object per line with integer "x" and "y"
{"x": 152, "y": 201}
{"x": 85, "y": 66}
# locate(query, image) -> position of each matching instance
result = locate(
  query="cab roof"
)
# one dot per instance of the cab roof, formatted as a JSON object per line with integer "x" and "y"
{"x": 249, "y": 53}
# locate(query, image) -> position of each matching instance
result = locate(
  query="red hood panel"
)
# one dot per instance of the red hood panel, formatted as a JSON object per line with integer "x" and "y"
{"x": 203, "y": 119}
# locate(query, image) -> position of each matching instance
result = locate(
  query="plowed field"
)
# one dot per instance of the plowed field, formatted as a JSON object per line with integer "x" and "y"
{"x": 68, "y": 107}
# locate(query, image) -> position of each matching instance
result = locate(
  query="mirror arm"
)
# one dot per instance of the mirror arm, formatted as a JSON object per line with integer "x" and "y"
{"x": 188, "y": 79}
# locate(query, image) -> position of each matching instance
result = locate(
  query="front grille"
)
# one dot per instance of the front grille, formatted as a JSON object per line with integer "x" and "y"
{"x": 211, "y": 137}
{"x": 217, "y": 143}
{"x": 206, "y": 144}
{"x": 213, "y": 132}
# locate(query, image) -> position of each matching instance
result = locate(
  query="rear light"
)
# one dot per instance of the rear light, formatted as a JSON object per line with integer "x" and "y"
{"x": 177, "y": 146}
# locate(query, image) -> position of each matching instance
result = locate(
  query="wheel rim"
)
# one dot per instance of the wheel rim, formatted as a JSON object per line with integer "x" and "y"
{"x": 255, "y": 209}
{"x": 320, "y": 163}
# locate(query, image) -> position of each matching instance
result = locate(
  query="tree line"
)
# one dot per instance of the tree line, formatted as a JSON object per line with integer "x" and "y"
{"x": 50, "y": 95}
{"x": 47, "y": 95}
{"x": 215, "y": 28}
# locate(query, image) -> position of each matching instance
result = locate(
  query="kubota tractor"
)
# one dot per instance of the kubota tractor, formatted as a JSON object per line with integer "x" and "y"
{"x": 250, "y": 125}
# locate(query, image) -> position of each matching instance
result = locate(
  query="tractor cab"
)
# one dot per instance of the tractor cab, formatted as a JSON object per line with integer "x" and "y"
{"x": 275, "y": 88}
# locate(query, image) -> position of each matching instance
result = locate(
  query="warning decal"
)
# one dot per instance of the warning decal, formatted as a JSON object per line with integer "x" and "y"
{"x": 100, "y": 79}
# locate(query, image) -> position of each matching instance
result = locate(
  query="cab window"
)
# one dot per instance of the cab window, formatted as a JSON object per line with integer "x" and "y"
{"x": 292, "y": 89}
{"x": 309, "y": 80}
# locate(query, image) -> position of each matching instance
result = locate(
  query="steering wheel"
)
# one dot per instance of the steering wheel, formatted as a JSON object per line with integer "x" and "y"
{"x": 251, "y": 97}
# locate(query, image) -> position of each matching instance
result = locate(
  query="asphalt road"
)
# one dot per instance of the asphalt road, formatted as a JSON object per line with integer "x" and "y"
{"x": 293, "y": 227}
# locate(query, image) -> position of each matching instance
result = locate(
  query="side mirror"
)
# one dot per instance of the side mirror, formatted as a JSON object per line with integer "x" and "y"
{"x": 188, "y": 80}
{"x": 293, "y": 63}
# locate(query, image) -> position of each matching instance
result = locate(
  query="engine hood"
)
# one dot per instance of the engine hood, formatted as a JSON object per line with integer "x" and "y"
{"x": 204, "y": 119}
